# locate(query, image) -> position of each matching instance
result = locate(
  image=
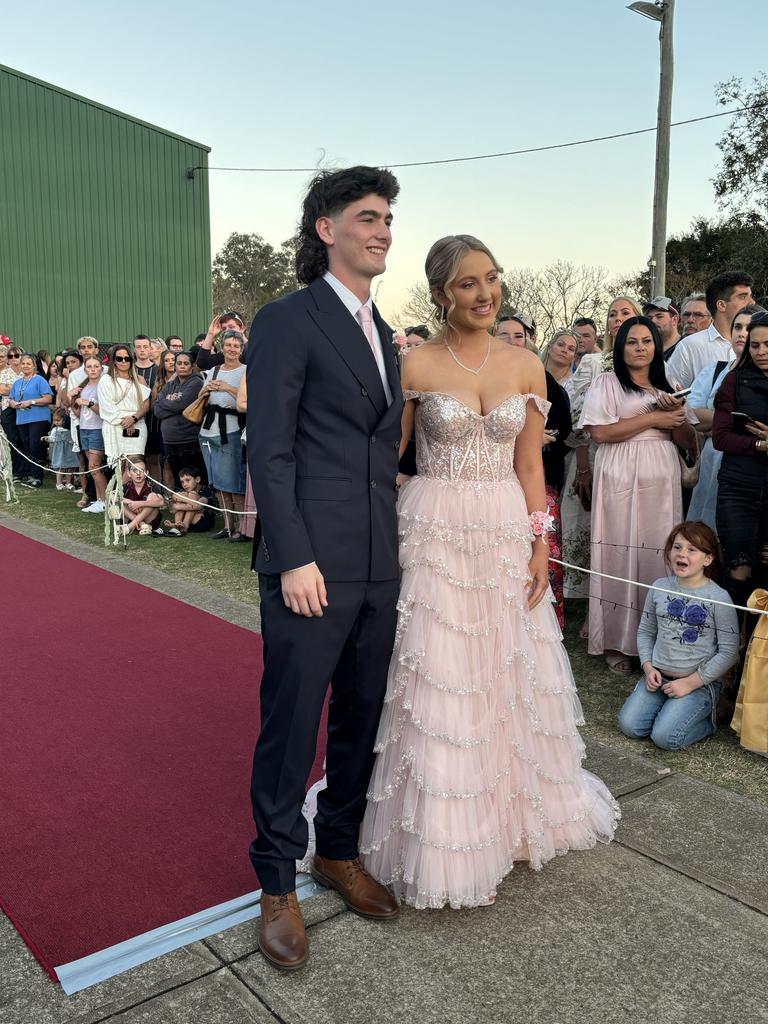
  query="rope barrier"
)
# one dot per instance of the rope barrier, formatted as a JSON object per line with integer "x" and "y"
{"x": 192, "y": 501}
{"x": 555, "y": 561}
{"x": 651, "y": 586}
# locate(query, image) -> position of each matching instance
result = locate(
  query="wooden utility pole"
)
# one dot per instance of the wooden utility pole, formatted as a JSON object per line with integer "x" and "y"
{"x": 664, "y": 120}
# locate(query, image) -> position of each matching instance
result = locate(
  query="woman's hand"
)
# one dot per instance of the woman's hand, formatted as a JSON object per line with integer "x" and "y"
{"x": 538, "y": 570}
{"x": 670, "y": 418}
{"x": 582, "y": 486}
{"x": 401, "y": 480}
{"x": 665, "y": 401}
{"x": 127, "y": 422}
{"x": 549, "y": 438}
{"x": 758, "y": 430}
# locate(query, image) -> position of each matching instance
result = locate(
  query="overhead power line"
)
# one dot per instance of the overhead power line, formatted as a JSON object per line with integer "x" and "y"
{"x": 486, "y": 156}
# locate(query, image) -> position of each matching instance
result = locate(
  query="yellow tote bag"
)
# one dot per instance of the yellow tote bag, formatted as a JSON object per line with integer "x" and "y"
{"x": 750, "y": 719}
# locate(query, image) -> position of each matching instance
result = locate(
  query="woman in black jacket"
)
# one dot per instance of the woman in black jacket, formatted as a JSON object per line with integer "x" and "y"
{"x": 180, "y": 435}
{"x": 740, "y": 432}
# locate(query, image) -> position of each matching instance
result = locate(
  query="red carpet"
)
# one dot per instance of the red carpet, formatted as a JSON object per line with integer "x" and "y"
{"x": 127, "y": 724}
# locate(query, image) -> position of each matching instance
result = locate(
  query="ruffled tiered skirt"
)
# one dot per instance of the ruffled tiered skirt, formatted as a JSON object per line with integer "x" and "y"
{"x": 478, "y": 756}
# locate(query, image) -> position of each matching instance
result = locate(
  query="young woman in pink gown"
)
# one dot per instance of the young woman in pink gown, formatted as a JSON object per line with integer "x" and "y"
{"x": 478, "y": 755}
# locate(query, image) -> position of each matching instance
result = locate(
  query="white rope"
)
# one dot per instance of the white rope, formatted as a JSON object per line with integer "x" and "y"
{"x": 192, "y": 501}
{"x": 650, "y": 586}
{"x": 70, "y": 471}
{"x": 555, "y": 561}
{"x": 125, "y": 458}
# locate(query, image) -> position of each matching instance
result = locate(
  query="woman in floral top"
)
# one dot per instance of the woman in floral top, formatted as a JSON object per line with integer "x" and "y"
{"x": 686, "y": 645}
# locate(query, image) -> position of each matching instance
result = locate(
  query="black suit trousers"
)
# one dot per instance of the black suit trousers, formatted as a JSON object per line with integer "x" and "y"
{"x": 349, "y": 646}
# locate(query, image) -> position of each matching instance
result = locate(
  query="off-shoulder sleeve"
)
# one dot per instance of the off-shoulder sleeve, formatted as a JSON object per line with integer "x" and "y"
{"x": 409, "y": 394}
{"x": 601, "y": 406}
{"x": 541, "y": 403}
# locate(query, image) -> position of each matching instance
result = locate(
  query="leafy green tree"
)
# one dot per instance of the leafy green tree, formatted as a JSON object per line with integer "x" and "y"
{"x": 248, "y": 272}
{"x": 708, "y": 248}
{"x": 741, "y": 184}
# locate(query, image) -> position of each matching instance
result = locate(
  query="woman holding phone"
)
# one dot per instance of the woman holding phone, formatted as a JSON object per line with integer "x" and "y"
{"x": 740, "y": 432}
{"x": 634, "y": 417}
{"x": 123, "y": 400}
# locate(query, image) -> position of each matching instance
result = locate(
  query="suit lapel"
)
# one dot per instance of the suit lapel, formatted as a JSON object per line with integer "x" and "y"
{"x": 346, "y": 336}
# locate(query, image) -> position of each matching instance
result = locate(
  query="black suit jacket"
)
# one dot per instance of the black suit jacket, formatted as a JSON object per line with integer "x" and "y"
{"x": 322, "y": 443}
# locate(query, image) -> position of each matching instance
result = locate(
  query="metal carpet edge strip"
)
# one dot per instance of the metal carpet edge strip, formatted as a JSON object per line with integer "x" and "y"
{"x": 107, "y": 963}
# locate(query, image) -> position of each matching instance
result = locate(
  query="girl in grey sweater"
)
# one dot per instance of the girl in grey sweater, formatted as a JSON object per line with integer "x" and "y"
{"x": 686, "y": 644}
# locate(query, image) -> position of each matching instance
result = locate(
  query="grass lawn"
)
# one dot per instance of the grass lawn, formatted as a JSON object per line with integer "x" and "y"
{"x": 211, "y": 563}
{"x": 226, "y": 567}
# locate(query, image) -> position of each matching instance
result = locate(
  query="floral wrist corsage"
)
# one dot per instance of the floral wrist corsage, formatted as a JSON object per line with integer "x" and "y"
{"x": 541, "y": 524}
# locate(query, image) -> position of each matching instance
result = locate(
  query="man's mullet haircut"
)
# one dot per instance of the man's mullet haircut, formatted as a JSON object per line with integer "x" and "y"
{"x": 328, "y": 194}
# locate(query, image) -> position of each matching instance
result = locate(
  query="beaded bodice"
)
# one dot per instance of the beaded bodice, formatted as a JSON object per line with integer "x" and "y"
{"x": 453, "y": 442}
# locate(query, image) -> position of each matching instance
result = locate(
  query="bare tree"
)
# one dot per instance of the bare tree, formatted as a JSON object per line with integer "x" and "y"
{"x": 418, "y": 307}
{"x": 558, "y": 294}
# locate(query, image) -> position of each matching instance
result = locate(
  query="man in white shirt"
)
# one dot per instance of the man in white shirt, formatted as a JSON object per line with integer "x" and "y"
{"x": 726, "y": 294}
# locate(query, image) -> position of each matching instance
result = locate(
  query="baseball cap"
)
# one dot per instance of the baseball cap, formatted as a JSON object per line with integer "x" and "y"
{"x": 662, "y": 302}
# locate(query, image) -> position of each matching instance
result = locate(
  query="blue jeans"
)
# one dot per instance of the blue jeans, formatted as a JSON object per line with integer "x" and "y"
{"x": 671, "y": 722}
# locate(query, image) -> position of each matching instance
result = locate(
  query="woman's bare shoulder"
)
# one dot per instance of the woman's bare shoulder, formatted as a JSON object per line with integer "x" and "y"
{"x": 419, "y": 363}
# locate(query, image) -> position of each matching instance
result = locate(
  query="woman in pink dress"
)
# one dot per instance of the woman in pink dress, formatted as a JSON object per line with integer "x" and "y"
{"x": 636, "y": 490}
{"x": 478, "y": 754}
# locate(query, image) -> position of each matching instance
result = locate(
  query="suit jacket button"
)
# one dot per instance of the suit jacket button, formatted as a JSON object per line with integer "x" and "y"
{"x": 373, "y": 440}
{"x": 373, "y": 483}
{"x": 363, "y": 392}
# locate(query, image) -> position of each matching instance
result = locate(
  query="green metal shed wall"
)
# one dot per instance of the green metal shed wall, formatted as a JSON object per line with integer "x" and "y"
{"x": 101, "y": 231}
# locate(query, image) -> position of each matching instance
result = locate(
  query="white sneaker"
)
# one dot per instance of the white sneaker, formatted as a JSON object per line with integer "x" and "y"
{"x": 95, "y": 506}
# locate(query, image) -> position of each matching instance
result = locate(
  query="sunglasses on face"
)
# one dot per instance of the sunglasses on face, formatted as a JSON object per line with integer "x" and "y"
{"x": 122, "y": 359}
{"x": 15, "y": 355}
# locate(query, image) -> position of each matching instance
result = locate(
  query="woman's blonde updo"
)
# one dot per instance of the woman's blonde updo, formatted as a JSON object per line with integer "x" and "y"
{"x": 441, "y": 267}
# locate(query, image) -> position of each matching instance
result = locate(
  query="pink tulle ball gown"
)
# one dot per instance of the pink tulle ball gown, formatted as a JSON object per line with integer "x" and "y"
{"x": 478, "y": 757}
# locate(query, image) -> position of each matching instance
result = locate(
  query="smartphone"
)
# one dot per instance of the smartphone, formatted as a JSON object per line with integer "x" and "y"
{"x": 742, "y": 419}
{"x": 132, "y": 432}
{"x": 681, "y": 394}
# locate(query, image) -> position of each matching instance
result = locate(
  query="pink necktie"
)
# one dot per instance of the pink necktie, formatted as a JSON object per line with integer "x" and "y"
{"x": 365, "y": 319}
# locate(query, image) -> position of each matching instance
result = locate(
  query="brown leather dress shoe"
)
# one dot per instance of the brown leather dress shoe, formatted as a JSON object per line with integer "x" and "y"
{"x": 282, "y": 938}
{"x": 361, "y": 893}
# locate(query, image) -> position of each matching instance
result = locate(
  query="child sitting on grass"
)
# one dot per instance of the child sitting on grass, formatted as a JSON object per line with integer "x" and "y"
{"x": 141, "y": 505}
{"x": 188, "y": 516}
{"x": 685, "y": 643}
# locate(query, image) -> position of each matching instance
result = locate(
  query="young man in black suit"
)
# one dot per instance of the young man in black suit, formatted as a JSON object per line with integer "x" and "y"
{"x": 324, "y": 408}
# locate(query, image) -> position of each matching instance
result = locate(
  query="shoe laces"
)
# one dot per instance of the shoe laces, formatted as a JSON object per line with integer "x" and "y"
{"x": 354, "y": 867}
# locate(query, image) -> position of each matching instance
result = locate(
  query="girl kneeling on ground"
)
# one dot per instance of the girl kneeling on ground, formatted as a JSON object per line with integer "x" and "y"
{"x": 686, "y": 645}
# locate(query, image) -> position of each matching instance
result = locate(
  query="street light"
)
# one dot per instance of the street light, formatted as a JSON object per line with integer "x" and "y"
{"x": 663, "y": 12}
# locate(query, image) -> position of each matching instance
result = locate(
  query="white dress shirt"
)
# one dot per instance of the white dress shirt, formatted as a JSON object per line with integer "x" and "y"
{"x": 353, "y": 304}
{"x": 695, "y": 352}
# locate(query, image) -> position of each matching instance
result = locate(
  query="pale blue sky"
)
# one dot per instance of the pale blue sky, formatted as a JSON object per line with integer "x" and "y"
{"x": 279, "y": 84}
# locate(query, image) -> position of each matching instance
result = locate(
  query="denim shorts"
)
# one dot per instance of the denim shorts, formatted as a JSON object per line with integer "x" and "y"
{"x": 224, "y": 463}
{"x": 91, "y": 440}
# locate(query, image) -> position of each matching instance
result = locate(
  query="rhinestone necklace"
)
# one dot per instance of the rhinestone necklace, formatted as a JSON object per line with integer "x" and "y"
{"x": 469, "y": 368}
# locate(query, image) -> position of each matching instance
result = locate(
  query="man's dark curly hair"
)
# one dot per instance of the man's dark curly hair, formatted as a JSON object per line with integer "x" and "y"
{"x": 328, "y": 194}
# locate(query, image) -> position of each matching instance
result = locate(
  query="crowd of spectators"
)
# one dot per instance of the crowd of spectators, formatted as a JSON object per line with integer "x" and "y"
{"x": 86, "y": 414}
{"x": 658, "y": 421}
{"x": 664, "y": 440}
